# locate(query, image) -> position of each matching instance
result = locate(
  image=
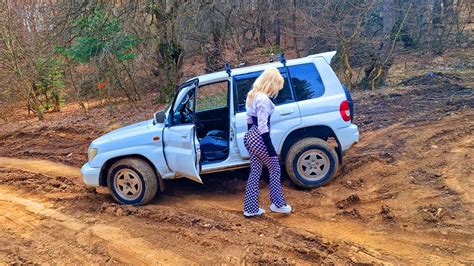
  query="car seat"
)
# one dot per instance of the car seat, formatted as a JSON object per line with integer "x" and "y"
{"x": 214, "y": 146}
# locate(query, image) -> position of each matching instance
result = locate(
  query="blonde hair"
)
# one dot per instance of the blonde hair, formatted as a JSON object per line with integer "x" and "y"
{"x": 269, "y": 82}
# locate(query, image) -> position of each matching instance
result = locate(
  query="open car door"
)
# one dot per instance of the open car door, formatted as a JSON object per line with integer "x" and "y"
{"x": 181, "y": 146}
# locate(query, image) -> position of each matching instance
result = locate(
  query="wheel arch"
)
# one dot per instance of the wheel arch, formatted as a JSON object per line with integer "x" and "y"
{"x": 320, "y": 131}
{"x": 111, "y": 161}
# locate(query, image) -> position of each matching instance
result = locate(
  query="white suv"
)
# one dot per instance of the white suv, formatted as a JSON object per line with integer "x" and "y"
{"x": 202, "y": 131}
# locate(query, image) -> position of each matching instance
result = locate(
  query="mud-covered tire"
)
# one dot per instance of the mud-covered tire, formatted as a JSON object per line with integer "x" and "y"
{"x": 132, "y": 181}
{"x": 313, "y": 153}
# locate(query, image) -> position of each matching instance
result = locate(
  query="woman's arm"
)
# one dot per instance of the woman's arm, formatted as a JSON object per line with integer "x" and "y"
{"x": 268, "y": 144}
{"x": 249, "y": 121}
{"x": 264, "y": 107}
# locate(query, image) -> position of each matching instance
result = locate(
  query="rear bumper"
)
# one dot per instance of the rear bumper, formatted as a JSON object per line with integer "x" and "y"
{"x": 90, "y": 175}
{"x": 347, "y": 136}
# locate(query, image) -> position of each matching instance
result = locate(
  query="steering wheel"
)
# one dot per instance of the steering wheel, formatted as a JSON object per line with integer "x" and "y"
{"x": 186, "y": 114}
{"x": 189, "y": 115}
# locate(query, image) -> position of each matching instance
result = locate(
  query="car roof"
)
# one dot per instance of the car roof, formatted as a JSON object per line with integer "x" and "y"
{"x": 211, "y": 77}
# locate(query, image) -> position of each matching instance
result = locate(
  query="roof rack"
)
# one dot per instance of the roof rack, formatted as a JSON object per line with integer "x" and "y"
{"x": 281, "y": 57}
{"x": 227, "y": 69}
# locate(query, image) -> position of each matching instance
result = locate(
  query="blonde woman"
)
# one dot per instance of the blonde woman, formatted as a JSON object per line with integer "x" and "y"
{"x": 258, "y": 143}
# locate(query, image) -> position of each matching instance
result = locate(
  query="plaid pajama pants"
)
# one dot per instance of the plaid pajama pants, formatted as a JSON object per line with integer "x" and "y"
{"x": 258, "y": 158}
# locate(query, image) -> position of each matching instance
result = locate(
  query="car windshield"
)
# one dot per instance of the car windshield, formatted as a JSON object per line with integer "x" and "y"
{"x": 168, "y": 107}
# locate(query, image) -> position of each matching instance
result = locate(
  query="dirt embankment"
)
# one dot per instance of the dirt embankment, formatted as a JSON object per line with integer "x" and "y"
{"x": 404, "y": 195}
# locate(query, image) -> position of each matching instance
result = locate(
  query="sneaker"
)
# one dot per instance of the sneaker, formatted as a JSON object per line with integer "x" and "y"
{"x": 260, "y": 212}
{"x": 286, "y": 209}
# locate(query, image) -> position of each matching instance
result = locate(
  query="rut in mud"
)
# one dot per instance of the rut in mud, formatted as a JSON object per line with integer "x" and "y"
{"x": 404, "y": 195}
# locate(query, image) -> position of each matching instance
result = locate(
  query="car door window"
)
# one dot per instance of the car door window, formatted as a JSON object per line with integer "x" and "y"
{"x": 244, "y": 84}
{"x": 306, "y": 81}
{"x": 212, "y": 96}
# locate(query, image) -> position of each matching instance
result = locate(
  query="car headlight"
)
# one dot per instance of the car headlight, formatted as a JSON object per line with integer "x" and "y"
{"x": 91, "y": 153}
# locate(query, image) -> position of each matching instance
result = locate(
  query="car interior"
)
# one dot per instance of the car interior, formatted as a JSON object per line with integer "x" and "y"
{"x": 212, "y": 121}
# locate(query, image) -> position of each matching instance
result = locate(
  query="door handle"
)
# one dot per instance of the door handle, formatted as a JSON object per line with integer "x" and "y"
{"x": 184, "y": 136}
{"x": 286, "y": 112}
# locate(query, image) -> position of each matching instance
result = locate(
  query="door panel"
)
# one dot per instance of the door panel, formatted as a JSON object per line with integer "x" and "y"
{"x": 181, "y": 147}
{"x": 182, "y": 151}
{"x": 284, "y": 118}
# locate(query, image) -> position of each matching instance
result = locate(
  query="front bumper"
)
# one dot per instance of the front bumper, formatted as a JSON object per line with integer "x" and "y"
{"x": 90, "y": 175}
{"x": 347, "y": 136}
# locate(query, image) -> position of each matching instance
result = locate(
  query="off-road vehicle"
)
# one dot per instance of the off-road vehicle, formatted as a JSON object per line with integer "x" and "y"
{"x": 203, "y": 128}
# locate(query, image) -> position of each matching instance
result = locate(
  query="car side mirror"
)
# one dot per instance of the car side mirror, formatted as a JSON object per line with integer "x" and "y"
{"x": 160, "y": 117}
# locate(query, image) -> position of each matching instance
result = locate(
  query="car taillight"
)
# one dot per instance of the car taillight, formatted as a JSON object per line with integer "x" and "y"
{"x": 345, "y": 111}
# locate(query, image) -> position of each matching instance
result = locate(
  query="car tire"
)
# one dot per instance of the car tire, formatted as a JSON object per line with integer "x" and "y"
{"x": 311, "y": 162}
{"x": 132, "y": 181}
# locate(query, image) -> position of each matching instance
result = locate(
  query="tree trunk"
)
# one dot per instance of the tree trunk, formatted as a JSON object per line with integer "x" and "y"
{"x": 295, "y": 39}
{"x": 376, "y": 74}
{"x": 76, "y": 90}
{"x": 35, "y": 104}
{"x": 348, "y": 72}
{"x": 262, "y": 21}
{"x": 117, "y": 78}
{"x": 422, "y": 29}
{"x": 277, "y": 23}
{"x": 132, "y": 80}
{"x": 436, "y": 14}
{"x": 169, "y": 51}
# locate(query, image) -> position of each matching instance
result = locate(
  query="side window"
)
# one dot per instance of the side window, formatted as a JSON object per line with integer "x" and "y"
{"x": 244, "y": 84}
{"x": 284, "y": 95}
{"x": 183, "y": 111}
{"x": 306, "y": 81}
{"x": 212, "y": 96}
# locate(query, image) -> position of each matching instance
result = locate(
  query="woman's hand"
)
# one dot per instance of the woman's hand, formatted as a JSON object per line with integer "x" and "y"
{"x": 268, "y": 143}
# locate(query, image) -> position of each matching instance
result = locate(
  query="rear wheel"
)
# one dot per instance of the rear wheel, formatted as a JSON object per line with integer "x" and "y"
{"x": 132, "y": 181}
{"x": 311, "y": 162}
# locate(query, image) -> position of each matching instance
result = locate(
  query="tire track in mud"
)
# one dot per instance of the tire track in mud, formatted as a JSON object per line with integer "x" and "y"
{"x": 39, "y": 222}
{"x": 43, "y": 167}
{"x": 117, "y": 243}
{"x": 380, "y": 246}
{"x": 356, "y": 242}
{"x": 37, "y": 238}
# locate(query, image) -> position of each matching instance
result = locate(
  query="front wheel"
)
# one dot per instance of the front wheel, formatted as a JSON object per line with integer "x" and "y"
{"x": 311, "y": 162}
{"x": 132, "y": 181}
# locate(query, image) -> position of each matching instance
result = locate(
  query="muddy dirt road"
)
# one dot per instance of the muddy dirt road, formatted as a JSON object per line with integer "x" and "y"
{"x": 403, "y": 196}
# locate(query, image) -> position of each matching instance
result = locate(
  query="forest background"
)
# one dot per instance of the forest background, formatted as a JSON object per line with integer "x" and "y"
{"x": 102, "y": 53}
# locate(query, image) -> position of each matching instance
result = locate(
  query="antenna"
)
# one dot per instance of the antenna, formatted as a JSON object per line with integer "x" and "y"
{"x": 227, "y": 69}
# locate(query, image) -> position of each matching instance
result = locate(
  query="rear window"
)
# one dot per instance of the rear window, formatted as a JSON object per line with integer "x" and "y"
{"x": 244, "y": 84}
{"x": 306, "y": 81}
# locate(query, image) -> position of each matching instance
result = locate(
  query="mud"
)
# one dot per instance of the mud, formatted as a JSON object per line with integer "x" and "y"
{"x": 403, "y": 196}
{"x": 387, "y": 214}
{"x": 431, "y": 78}
{"x": 349, "y": 201}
